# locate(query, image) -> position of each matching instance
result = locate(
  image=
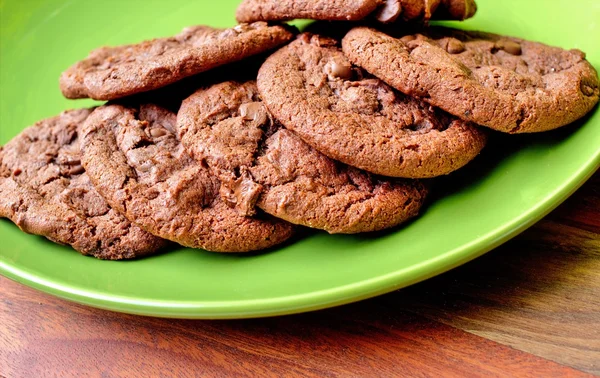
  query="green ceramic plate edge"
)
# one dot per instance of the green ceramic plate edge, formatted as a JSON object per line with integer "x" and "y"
{"x": 315, "y": 300}
{"x": 322, "y": 298}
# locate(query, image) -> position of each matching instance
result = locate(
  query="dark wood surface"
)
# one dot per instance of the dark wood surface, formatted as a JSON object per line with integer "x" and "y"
{"x": 529, "y": 308}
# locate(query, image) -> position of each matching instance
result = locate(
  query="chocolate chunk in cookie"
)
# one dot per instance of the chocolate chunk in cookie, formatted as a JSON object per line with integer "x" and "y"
{"x": 508, "y": 84}
{"x": 45, "y": 191}
{"x": 113, "y": 72}
{"x": 137, "y": 163}
{"x": 313, "y": 89}
{"x": 454, "y": 9}
{"x": 259, "y": 162}
{"x": 383, "y": 11}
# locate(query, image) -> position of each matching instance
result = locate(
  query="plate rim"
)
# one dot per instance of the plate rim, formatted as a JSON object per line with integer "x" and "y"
{"x": 321, "y": 299}
{"x": 331, "y": 296}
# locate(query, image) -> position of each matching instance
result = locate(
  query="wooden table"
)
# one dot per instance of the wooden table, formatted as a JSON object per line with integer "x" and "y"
{"x": 529, "y": 308}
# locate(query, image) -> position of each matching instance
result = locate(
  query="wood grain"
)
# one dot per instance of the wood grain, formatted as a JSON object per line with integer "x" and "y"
{"x": 526, "y": 309}
{"x": 539, "y": 293}
{"x": 42, "y": 334}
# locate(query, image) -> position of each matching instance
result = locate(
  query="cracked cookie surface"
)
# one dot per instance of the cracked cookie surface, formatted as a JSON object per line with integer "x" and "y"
{"x": 311, "y": 87}
{"x": 261, "y": 163}
{"x": 109, "y": 73}
{"x": 136, "y": 161}
{"x": 45, "y": 191}
{"x": 508, "y": 84}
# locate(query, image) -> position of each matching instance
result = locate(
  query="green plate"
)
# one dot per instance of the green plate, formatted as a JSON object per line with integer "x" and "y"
{"x": 515, "y": 183}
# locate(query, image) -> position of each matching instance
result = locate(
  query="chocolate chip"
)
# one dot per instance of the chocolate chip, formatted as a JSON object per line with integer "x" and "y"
{"x": 254, "y": 111}
{"x": 259, "y": 25}
{"x": 157, "y": 132}
{"x": 587, "y": 89}
{"x": 246, "y": 192}
{"x": 228, "y": 33}
{"x": 145, "y": 167}
{"x": 389, "y": 11}
{"x": 240, "y": 28}
{"x": 338, "y": 70}
{"x": 241, "y": 193}
{"x": 17, "y": 172}
{"x": 455, "y": 46}
{"x": 228, "y": 196}
{"x": 509, "y": 46}
{"x": 407, "y": 38}
{"x": 319, "y": 41}
{"x": 70, "y": 161}
{"x": 305, "y": 38}
{"x": 76, "y": 170}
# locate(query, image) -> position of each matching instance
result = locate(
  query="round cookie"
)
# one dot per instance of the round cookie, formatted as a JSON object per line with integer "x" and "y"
{"x": 137, "y": 163}
{"x": 507, "y": 84}
{"x": 312, "y": 89}
{"x": 384, "y": 11}
{"x": 259, "y": 162}
{"x": 45, "y": 191}
{"x": 109, "y": 73}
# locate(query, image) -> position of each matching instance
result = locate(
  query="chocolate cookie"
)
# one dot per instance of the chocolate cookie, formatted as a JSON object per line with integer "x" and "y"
{"x": 259, "y": 162}
{"x": 508, "y": 84}
{"x": 137, "y": 163}
{"x": 45, "y": 191}
{"x": 113, "y": 72}
{"x": 385, "y": 11}
{"x": 312, "y": 89}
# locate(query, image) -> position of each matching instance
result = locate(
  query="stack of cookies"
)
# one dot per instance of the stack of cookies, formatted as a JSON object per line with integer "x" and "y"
{"x": 228, "y": 140}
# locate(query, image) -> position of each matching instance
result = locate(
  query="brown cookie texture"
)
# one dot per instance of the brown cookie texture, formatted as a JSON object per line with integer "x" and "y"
{"x": 508, "y": 84}
{"x": 311, "y": 87}
{"x": 425, "y": 10}
{"x": 383, "y": 11}
{"x": 284, "y": 10}
{"x": 454, "y": 9}
{"x": 45, "y": 191}
{"x": 137, "y": 163}
{"x": 261, "y": 163}
{"x": 110, "y": 73}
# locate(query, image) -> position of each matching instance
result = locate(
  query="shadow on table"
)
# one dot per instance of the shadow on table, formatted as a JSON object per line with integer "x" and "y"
{"x": 537, "y": 293}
